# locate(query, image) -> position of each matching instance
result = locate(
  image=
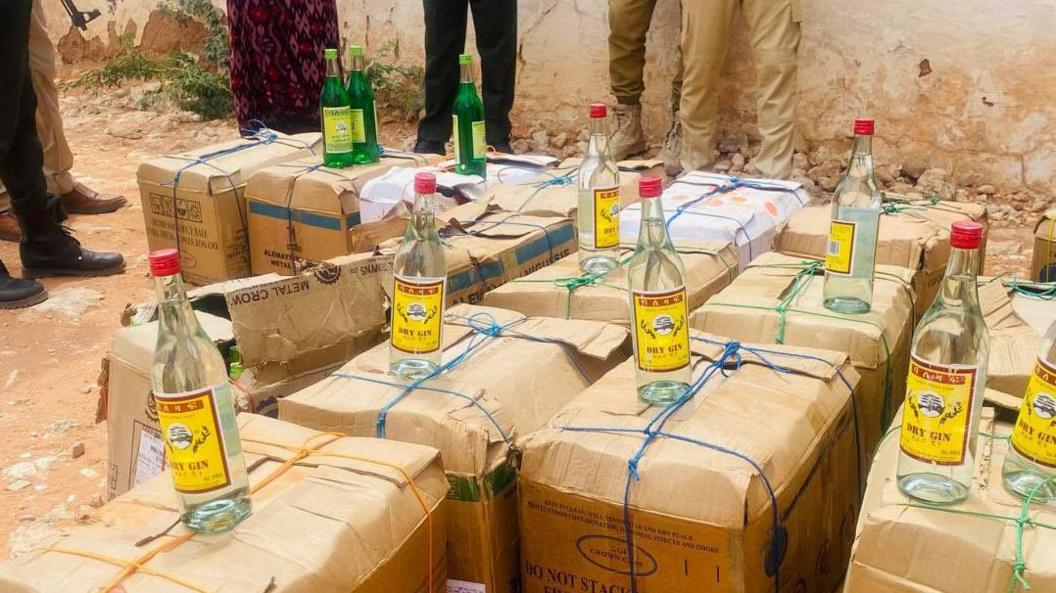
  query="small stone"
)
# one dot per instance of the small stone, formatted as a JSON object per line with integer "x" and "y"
{"x": 21, "y": 471}
{"x": 1002, "y": 248}
{"x": 521, "y": 146}
{"x": 800, "y": 161}
{"x": 96, "y": 501}
{"x": 723, "y": 166}
{"x": 76, "y": 450}
{"x": 559, "y": 141}
{"x": 986, "y": 189}
{"x": 18, "y": 485}
{"x": 828, "y": 183}
{"x": 540, "y": 142}
{"x": 89, "y": 473}
{"x": 738, "y": 161}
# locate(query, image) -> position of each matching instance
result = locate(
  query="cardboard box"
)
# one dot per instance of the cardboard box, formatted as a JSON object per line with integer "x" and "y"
{"x": 702, "y": 206}
{"x": 562, "y": 290}
{"x": 914, "y": 235}
{"x": 1043, "y": 267}
{"x": 700, "y": 518}
{"x": 555, "y": 193}
{"x": 202, "y": 190}
{"x": 1017, "y": 318}
{"x": 475, "y": 413}
{"x": 301, "y": 213}
{"x": 878, "y": 341}
{"x": 486, "y": 247}
{"x": 350, "y": 515}
{"x": 906, "y": 547}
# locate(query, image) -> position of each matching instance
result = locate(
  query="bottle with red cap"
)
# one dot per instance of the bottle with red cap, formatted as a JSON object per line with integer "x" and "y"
{"x": 851, "y": 254}
{"x": 945, "y": 384}
{"x": 419, "y": 289}
{"x": 195, "y": 410}
{"x": 599, "y": 199}
{"x": 659, "y": 308}
{"x": 1030, "y": 462}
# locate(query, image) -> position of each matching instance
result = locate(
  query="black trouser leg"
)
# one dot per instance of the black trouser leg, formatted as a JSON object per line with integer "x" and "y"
{"x": 21, "y": 156}
{"x": 445, "y": 39}
{"x": 495, "y": 22}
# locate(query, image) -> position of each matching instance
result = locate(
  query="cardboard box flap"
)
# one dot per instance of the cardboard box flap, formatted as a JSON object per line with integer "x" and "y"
{"x": 590, "y": 338}
{"x": 821, "y": 364}
{"x": 134, "y": 346}
{"x": 552, "y": 193}
{"x": 1046, "y": 227}
{"x": 1016, "y": 322}
{"x": 636, "y": 165}
{"x": 496, "y": 224}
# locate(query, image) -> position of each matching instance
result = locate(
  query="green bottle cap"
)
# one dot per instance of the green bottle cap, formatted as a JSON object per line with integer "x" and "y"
{"x": 355, "y": 51}
{"x": 465, "y": 59}
{"x": 330, "y": 54}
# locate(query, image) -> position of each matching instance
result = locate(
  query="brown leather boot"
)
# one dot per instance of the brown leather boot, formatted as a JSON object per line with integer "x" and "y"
{"x": 9, "y": 229}
{"x": 82, "y": 200}
{"x": 627, "y": 139}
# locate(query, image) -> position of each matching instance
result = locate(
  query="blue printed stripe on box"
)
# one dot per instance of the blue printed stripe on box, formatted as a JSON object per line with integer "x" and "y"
{"x": 332, "y": 223}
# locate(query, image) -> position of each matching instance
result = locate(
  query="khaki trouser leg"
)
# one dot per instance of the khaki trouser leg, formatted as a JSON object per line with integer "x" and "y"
{"x": 705, "y": 35}
{"x": 773, "y": 29}
{"x": 676, "y": 82}
{"x": 628, "y": 25}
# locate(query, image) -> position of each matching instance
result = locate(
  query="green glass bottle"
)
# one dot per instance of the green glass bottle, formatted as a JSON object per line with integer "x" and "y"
{"x": 336, "y": 115}
{"x": 471, "y": 147}
{"x": 365, "y": 148}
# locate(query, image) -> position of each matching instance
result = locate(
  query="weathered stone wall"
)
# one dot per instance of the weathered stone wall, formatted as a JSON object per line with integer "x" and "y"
{"x": 966, "y": 86}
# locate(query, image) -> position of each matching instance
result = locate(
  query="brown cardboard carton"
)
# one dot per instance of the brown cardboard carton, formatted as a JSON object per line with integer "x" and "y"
{"x": 303, "y": 212}
{"x": 905, "y": 547}
{"x": 562, "y": 290}
{"x": 202, "y": 190}
{"x": 750, "y": 310}
{"x": 914, "y": 235}
{"x": 1017, "y": 318}
{"x": 346, "y": 515}
{"x": 475, "y": 413}
{"x": 1043, "y": 268}
{"x": 700, "y": 517}
{"x": 554, "y": 192}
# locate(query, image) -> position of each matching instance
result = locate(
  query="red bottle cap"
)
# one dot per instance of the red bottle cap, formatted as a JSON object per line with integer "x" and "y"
{"x": 424, "y": 183}
{"x": 164, "y": 262}
{"x": 863, "y": 126}
{"x": 650, "y": 187}
{"x": 598, "y": 110}
{"x": 966, "y": 234}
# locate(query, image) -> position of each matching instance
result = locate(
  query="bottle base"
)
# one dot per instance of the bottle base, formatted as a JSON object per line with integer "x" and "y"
{"x": 661, "y": 393}
{"x": 413, "y": 368}
{"x": 932, "y": 488}
{"x": 339, "y": 161}
{"x": 848, "y": 305}
{"x": 218, "y": 516}
{"x": 1023, "y": 483}
{"x": 597, "y": 265}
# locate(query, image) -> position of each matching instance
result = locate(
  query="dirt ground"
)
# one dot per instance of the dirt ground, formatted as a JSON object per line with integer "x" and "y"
{"x": 50, "y": 354}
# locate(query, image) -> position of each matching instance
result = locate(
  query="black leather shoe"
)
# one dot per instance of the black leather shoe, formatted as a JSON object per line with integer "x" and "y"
{"x": 16, "y": 293}
{"x": 429, "y": 147}
{"x": 48, "y": 249}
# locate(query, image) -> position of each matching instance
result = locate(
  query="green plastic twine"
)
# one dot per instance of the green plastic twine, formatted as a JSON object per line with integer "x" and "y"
{"x": 574, "y": 283}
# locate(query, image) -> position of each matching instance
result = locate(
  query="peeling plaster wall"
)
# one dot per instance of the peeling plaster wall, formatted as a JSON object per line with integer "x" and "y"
{"x": 985, "y": 111}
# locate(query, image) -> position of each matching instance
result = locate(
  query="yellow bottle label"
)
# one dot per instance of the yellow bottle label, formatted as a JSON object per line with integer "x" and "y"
{"x": 839, "y": 258}
{"x": 1034, "y": 436}
{"x": 358, "y": 131}
{"x": 661, "y": 329}
{"x": 194, "y": 443}
{"x": 337, "y": 129}
{"x": 417, "y": 314}
{"x": 606, "y": 217}
{"x": 454, "y": 138}
{"x": 938, "y": 411}
{"x": 480, "y": 144}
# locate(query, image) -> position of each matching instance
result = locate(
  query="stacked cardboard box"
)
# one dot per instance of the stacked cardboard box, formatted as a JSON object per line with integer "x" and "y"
{"x": 779, "y": 299}
{"x": 972, "y": 547}
{"x": 914, "y": 235}
{"x": 194, "y": 201}
{"x": 555, "y": 191}
{"x": 504, "y": 386}
{"x": 563, "y": 290}
{"x": 693, "y": 501}
{"x": 349, "y": 515}
{"x": 1017, "y": 315}
{"x": 1043, "y": 268}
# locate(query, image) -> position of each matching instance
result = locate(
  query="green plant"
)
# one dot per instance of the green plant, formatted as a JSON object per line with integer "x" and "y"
{"x": 198, "y": 90}
{"x": 130, "y": 64}
{"x": 217, "y": 44}
{"x": 397, "y": 87}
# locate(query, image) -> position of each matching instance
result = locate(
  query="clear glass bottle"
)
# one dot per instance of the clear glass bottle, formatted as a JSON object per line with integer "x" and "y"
{"x": 419, "y": 291}
{"x": 336, "y": 115}
{"x": 659, "y": 307}
{"x": 365, "y": 147}
{"x": 851, "y": 256}
{"x": 1030, "y": 463}
{"x": 471, "y": 145}
{"x": 599, "y": 199}
{"x": 196, "y": 410}
{"x": 947, "y": 376}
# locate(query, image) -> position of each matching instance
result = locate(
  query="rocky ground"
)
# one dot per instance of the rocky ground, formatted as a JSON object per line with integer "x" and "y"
{"x": 53, "y": 464}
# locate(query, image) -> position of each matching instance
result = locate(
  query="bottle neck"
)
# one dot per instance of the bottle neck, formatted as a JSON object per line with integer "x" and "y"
{"x": 959, "y": 288}
{"x": 175, "y": 314}
{"x": 357, "y": 64}
{"x": 599, "y": 136}
{"x": 653, "y": 230}
{"x": 333, "y": 69}
{"x": 863, "y": 145}
{"x": 467, "y": 73}
{"x": 424, "y": 210}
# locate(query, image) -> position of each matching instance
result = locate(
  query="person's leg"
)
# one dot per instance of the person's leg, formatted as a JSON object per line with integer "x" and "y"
{"x": 9, "y": 229}
{"x": 628, "y": 26}
{"x": 495, "y": 24}
{"x": 705, "y": 40}
{"x": 671, "y": 150}
{"x": 773, "y": 29}
{"x": 445, "y": 39}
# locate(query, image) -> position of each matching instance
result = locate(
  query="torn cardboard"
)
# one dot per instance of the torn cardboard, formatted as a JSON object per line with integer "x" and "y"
{"x": 1043, "y": 265}
{"x": 914, "y": 235}
{"x": 353, "y": 516}
{"x": 475, "y": 413}
{"x": 563, "y": 290}
{"x": 1017, "y": 318}
{"x": 779, "y": 299}
{"x": 700, "y": 519}
{"x": 202, "y": 191}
